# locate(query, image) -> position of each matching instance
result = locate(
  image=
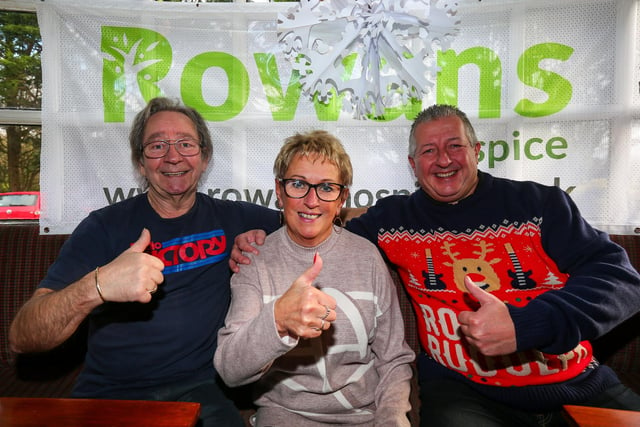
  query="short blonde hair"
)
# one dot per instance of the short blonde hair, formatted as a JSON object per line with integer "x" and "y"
{"x": 312, "y": 144}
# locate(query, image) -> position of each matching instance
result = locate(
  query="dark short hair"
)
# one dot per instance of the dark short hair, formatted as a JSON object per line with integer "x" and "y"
{"x": 157, "y": 105}
{"x": 438, "y": 111}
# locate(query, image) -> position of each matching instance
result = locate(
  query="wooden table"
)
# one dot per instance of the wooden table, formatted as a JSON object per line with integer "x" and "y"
{"x": 44, "y": 412}
{"x": 585, "y": 416}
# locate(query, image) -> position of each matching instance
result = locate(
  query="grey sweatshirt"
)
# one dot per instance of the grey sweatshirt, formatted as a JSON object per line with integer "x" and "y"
{"x": 355, "y": 373}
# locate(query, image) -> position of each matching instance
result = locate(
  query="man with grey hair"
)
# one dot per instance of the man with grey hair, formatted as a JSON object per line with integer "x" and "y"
{"x": 508, "y": 281}
{"x": 150, "y": 275}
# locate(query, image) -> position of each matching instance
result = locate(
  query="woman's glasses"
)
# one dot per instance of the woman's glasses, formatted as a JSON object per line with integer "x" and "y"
{"x": 297, "y": 189}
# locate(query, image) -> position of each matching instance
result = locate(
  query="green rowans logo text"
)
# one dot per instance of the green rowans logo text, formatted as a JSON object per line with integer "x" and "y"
{"x": 137, "y": 59}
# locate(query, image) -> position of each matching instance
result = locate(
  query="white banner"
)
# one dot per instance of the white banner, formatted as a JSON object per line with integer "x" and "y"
{"x": 551, "y": 87}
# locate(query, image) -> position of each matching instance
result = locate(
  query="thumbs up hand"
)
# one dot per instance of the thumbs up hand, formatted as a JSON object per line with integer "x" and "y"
{"x": 133, "y": 275}
{"x": 489, "y": 328}
{"x": 304, "y": 311}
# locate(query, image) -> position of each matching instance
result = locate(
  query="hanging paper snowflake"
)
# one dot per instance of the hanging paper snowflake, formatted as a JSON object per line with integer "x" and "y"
{"x": 378, "y": 53}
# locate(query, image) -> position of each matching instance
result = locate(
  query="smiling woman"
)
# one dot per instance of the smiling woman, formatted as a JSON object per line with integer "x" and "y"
{"x": 318, "y": 306}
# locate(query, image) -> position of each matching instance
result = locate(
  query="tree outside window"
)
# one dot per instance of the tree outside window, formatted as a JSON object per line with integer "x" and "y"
{"x": 20, "y": 89}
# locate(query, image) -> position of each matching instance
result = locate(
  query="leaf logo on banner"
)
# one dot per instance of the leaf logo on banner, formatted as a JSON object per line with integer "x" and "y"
{"x": 135, "y": 59}
{"x": 376, "y": 53}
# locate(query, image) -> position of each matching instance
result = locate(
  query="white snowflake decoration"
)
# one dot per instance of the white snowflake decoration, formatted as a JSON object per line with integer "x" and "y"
{"x": 379, "y": 53}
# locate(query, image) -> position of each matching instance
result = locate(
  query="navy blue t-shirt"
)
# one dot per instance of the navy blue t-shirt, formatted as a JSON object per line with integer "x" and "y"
{"x": 173, "y": 338}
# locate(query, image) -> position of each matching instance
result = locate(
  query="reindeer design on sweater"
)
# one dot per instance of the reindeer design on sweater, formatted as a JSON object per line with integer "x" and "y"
{"x": 479, "y": 269}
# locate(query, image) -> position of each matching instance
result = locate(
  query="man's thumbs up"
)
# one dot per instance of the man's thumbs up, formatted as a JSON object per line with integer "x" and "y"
{"x": 133, "y": 275}
{"x": 490, "y": 328}
{"x": 142, "y": 243}
{"x": 478, "y": 294}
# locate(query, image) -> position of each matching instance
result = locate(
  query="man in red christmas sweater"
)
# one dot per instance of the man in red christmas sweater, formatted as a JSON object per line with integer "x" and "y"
{"x": 508, "y": 281}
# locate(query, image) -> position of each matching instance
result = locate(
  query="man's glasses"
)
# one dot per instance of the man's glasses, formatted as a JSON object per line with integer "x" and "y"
{"x": 297, "y": 189}
{"x": 186, "y": 147}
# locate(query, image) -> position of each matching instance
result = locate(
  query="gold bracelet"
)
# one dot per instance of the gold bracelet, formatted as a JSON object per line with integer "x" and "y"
{"x": 98, "y": 285}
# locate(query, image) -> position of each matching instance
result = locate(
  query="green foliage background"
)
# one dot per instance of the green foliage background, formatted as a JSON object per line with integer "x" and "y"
{"x": 20, "y": 89}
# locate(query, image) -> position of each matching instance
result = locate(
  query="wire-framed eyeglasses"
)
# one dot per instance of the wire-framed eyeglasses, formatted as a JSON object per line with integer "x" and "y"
{"x": 298, "y": 188}
{"x": 157, "y": 149}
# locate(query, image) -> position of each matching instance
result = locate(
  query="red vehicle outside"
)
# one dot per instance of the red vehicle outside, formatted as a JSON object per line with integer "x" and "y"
{"x": 20, "y": 205}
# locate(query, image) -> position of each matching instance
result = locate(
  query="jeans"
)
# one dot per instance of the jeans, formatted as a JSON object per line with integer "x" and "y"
{"x": 446, "y": 402}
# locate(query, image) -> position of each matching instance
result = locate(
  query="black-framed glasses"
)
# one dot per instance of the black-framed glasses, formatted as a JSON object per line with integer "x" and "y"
{"x": 157, "y": 149}
{"x": 298, "y": 188}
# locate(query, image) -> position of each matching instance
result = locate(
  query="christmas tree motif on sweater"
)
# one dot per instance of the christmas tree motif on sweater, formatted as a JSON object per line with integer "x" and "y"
{"x": 506, "y": 259}
{"x": 552, "y": 281}
{"x": 414, "y": 282}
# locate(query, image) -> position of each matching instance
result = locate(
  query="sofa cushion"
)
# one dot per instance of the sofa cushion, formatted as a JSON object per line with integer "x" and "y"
{"x": 25, "y": 257}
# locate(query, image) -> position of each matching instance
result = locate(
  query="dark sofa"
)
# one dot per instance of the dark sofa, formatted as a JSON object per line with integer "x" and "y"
{"x": 25, "y": 256}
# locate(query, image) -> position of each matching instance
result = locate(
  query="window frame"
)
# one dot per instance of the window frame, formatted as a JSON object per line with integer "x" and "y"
{"x": 11, "y": 116}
